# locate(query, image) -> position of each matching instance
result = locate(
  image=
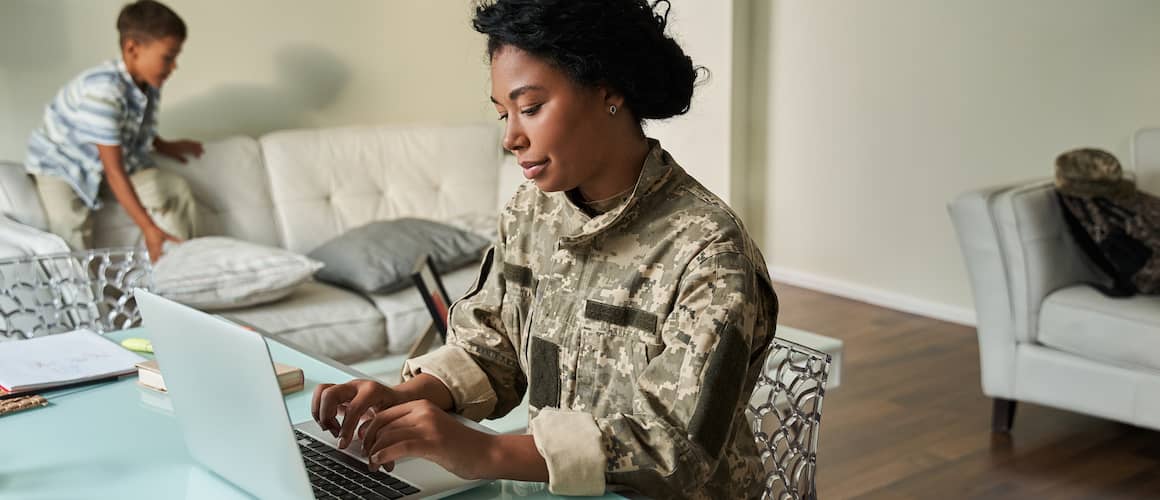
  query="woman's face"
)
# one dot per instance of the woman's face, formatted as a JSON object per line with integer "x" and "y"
{"x": 557, "y": 129}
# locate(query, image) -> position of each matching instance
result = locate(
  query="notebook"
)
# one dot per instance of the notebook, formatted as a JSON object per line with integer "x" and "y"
{"x": 61, "y": 359}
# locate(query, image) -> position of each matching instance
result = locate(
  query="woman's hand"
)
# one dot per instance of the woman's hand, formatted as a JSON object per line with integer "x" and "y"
{"x": 353, "y": 399}
{"x": 421, "y": 429}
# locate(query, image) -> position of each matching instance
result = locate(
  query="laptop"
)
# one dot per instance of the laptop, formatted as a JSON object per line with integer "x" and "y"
{"x": 232, "y": 414}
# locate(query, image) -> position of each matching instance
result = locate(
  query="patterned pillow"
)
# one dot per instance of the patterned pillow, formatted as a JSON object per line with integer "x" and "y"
{"x": 225, "y": 273}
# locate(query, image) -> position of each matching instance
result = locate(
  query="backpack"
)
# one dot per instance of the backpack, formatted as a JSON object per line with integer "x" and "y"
{"x": 1116, "y": 225}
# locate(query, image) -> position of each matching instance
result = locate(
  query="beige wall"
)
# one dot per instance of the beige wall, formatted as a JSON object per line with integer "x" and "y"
{"x": 259, "y": 65}
{"x": 701, "y": 140}
{"x": 880, "y": 112}
{"x": 839, "y": 129}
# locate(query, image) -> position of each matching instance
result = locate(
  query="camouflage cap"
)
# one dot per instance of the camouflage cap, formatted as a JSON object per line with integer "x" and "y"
{"x": 1090, "y": 172}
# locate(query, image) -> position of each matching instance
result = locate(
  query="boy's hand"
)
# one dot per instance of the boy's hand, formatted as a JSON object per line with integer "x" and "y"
{"x": 178, "y": 150}
{"x": 155, "y": 238}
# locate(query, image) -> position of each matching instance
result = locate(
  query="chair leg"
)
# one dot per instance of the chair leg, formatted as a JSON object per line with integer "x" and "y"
{"x": 1002, "y": 415}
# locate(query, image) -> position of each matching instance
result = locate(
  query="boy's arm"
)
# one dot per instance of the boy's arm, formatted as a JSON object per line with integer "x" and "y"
{"x": 177, "y": 149}
{"x": 123, "y": 190}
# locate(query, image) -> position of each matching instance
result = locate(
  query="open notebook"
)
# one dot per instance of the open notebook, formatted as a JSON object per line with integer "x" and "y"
{"x": 61, "y": 359}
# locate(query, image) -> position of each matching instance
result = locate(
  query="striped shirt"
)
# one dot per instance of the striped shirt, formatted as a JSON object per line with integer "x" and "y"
{"x": 100, "y": 106}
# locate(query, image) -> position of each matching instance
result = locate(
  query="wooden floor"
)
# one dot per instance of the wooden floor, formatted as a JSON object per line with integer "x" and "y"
{"x": 910, "y": 420}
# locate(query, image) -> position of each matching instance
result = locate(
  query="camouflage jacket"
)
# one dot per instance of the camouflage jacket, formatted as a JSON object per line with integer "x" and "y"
{"x": 636, "y": 335}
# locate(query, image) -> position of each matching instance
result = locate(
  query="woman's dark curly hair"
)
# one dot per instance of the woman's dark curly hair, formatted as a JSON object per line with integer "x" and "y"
{"x": 617, "y": 43}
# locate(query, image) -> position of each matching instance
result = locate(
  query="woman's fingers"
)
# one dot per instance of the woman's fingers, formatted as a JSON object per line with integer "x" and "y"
{"x": 355, "y": 409}
{"x": 389, "y": 437}
{"x": 316, "y": 401}
{"x": 329, "y": 401}
{"x": 383, "y": 419}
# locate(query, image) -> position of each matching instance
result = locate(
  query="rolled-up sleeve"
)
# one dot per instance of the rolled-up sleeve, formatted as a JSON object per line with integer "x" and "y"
{"x": 478, "y": 364}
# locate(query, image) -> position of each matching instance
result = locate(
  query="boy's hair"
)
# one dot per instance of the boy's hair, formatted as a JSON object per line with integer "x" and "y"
{"x": 147, "y": 20}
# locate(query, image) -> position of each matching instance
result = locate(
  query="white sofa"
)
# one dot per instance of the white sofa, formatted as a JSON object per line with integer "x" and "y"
{"x": 1045, "y": 336}
{"x": 297, "y": 189}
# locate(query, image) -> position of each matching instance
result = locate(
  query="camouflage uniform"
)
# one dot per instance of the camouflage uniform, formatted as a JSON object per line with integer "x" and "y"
{"x": 636, "y": 334}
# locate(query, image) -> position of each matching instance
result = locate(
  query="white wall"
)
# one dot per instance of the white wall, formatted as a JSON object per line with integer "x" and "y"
{"x": 701, "y": 140}
{"x": 259, "y": 65}
{"x": 880, "y": 112}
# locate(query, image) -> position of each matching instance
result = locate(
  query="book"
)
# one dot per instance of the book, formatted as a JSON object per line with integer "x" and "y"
{"x": 61, "y": 359}
{"x": 290, "y": 379}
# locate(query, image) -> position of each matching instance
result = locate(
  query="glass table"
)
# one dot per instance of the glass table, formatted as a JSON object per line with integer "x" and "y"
{"x": 115, "y": 439}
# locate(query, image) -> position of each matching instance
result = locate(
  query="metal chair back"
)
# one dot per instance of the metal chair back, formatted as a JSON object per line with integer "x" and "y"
{"x": 46, "y": 294}
{"x": 786, "y": 414}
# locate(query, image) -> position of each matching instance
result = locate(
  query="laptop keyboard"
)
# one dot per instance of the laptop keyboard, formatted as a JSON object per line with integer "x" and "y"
{"x": 334, "y": 474}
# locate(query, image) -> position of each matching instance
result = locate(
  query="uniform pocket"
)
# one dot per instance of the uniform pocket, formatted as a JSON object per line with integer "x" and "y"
{"x": 616, "y": 345}
{"x": 544, "y": 383}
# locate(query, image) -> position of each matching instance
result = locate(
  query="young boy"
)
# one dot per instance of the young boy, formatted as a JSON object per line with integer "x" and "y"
{"x": 101, "y": 127}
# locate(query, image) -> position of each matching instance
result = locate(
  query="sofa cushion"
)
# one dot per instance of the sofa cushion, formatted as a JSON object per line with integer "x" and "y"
{"x": 224, "y": 273}
{"x": 1082, "y": 321}
{"x": 323, "y": 319}
{"x": 379, "y": 257}
{"x": 232, "y": 191}
{"x": 324, "y": 182}
{"x": 19, "y": 199}
{"x": 406, "y": 314}
{"x": 19, "y": 240}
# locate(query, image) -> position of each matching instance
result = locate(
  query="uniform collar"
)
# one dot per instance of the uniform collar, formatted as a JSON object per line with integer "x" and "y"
{"x": 658, "y": 166}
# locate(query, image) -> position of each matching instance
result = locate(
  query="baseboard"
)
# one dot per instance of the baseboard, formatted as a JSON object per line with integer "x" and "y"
{"x": 870, "y": 295}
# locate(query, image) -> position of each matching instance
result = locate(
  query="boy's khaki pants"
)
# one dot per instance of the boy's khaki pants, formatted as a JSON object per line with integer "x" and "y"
{"x": 164, "y": 194}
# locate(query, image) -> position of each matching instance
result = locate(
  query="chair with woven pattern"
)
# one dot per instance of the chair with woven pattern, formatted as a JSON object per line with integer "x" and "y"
{"x": 46, "y": 294}
{"x": 786, "y": 414}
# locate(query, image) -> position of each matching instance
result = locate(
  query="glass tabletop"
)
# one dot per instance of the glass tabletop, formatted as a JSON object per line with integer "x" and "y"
{"x": 115, "y": 439}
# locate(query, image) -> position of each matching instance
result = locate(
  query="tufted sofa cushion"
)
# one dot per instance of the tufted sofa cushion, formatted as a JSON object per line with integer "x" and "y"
{"x": 326, "y": 181}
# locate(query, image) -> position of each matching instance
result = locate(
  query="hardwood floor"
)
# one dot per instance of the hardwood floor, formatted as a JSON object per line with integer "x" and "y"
{"x": 910, "y": 420}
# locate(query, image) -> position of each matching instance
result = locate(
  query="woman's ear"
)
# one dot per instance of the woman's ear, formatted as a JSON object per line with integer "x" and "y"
{"x": 610, "y": 97}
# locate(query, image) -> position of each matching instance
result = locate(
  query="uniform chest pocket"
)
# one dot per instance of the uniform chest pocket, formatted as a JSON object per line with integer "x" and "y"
{"x": 616, "y": 345}
{"x": 518, "y": 298}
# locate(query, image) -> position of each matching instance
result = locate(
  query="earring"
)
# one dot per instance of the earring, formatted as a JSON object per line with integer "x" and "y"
{"x": 612, "y": 110}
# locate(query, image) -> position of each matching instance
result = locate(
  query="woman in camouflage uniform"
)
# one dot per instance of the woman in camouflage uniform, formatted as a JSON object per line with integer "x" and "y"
{"x": 625, "y": 299}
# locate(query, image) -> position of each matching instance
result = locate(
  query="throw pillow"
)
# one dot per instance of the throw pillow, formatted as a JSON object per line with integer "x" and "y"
{"x": 225, "y": 273}
{"x": 379, "y": 257}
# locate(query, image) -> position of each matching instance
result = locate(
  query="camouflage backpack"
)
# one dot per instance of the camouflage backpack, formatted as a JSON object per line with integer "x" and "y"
{"x": 1116, "y": 225}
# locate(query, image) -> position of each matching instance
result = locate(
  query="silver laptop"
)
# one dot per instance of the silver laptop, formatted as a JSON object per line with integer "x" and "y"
{"x": 231, "y": 411}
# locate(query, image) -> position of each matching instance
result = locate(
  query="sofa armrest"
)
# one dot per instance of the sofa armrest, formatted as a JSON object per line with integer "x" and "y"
{"x": 1017, "y": 250}
{"x": 22, "y": 240}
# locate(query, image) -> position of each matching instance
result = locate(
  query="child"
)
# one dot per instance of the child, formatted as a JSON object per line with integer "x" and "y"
{"x": 102, "y": 125}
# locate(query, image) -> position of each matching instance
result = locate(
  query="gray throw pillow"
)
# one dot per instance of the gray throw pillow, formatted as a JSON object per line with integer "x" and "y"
{"x": 379, "y": 257}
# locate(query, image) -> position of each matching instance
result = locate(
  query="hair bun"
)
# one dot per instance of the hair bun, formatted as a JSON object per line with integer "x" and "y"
{"x": 618, "y": 43}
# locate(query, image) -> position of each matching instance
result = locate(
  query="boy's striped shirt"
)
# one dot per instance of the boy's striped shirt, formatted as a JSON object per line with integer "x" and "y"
{"x": 100, "y": 106}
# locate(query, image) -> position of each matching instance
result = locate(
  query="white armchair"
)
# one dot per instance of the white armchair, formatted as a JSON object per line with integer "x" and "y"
{"x": 1045, "y": 336}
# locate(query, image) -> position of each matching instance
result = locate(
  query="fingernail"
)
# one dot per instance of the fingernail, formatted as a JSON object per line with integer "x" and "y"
{"x": 343, "y": 442}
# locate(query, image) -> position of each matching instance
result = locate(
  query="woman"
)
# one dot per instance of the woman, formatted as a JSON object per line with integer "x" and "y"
{"x": 621, "y": 295}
